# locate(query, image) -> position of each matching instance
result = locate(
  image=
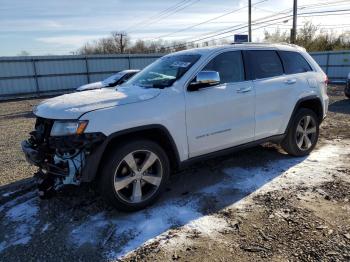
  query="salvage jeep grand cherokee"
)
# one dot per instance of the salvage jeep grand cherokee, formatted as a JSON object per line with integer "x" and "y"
{"x": 185, "y": 106}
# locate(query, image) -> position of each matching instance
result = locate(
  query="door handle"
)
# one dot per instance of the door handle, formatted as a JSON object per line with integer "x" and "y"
{"x": 244, "y": 90}
{"x": 290, "y": 81}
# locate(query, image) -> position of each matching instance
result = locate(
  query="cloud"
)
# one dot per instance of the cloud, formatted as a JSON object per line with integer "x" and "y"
{"x": 49, "y": 25}
{"x": 74, "y": 41}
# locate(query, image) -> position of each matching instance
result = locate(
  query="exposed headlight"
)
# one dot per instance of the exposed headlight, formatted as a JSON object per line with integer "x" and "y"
{"x": 65, "y": 128}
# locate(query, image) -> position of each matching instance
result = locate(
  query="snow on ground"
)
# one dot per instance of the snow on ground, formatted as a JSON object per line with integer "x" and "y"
{"x": 45, "y": 227}
{"x": 133, "y": 230}
{"x": 8, "y": 194}
{"x": 277, "y": 175}
{"x": 292, "y": 172}
{"x": 23, "y": 219}
{"x": 120, "y": 234}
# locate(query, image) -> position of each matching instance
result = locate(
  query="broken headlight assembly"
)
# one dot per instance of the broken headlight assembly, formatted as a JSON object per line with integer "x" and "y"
{"x": 66, "y": 128}
{"x": 63, "y": 152}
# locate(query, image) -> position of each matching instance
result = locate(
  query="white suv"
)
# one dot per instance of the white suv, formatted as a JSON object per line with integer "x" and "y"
{"x": 184, "y": 107}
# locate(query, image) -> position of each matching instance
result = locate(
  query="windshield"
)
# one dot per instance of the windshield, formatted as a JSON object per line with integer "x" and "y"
{"x": 165, "y": 71}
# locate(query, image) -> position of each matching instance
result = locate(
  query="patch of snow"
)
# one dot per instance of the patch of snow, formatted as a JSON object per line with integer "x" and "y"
{"x": 8, "y": 194}
{"x": 149, "y": 224}
{"x": 91, "y": 231}
{"x": 45, "y": 227}
{"x": 136, "y": 229}
{"x": 291, "y": 172}
{"x": 22, "y": 212}
{"x": 2, "y": 246}
{"x": 208, "y": 225}
{"x": 22, "y": 241}
{"x": 23, "y": 219}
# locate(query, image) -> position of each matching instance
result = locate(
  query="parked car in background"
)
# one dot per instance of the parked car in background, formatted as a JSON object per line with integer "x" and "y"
{"x": 113, "y": 80}
{"x": 184, "y": 107}
{"x": 347, "y": 87}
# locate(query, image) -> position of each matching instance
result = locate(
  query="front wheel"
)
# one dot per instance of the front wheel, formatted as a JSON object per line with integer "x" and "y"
{"x": 347, "y": 92}
{"x": 303, "y": 133}
{"x": 134, "y": 175}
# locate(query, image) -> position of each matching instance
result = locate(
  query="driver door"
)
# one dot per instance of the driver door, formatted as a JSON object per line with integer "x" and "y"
{"x": 221, "y": 116}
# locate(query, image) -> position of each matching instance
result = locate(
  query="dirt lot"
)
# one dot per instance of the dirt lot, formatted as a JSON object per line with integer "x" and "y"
{"x": 16, "y": 120}
{"x": 255, "y": 205}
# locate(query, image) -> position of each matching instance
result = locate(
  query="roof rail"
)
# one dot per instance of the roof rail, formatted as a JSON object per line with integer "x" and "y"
{"x": 269, "y": 43}
{"x": 249, "y": 43}
{"x": 293, "y": 45}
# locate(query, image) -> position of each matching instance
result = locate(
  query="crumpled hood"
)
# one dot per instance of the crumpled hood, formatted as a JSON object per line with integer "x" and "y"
{"x": 91, "y": 86}
{"x": 72, "y": 106}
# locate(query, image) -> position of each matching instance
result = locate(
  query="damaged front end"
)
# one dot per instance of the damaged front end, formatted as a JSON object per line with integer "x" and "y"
{"x": 62, "y": 160}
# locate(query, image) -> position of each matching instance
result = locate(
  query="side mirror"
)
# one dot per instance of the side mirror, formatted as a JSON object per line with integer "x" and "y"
{"x": 204, "y": 79}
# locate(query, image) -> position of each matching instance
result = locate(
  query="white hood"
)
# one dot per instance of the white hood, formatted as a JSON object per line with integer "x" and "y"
{"x": 72, "y": 106}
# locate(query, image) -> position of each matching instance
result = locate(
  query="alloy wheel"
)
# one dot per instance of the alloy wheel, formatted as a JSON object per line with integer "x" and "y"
{"x": 306, "y": 133}
{"x": 138, "y": 176}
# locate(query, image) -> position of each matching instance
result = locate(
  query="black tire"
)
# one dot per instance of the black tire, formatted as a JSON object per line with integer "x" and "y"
{"x": 347, "y": 89}
{"x": 347, "y": 94}
{"x": 289, "y": 143}
{"x": 114, "y": 161}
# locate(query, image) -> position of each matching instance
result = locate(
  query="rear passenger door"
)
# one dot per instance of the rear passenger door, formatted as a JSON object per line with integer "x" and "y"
{"x": 272, "y": 89}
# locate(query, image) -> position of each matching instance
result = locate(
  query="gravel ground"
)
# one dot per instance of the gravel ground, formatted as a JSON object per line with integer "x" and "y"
{"x": 16, "y": 120}
{"x": 258, "y": 204}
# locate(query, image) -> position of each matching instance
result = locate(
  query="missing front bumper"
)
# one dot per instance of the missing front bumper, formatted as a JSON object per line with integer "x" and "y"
{"x": 33, "y": 156}
{"x": 66, "y": 158}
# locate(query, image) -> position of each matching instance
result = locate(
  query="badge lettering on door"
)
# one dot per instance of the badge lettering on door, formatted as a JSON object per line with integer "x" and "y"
{"x": 214, "y": 133}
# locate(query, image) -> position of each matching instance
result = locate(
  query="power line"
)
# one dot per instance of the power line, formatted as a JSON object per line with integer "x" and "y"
{"x": 161, "y": 17}
{"x": 157, "y": 14}
{"x": 242, "y": 24}
{"x": 302, "y": 14}
{"x": 257, "y": 23}
{"x": 206, "y": 21}
{"x": 285, "y": 11}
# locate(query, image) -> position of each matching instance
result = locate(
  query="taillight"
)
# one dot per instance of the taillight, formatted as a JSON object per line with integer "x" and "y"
{"x": 326, "y": 80}
{"x": 325, "y": 84}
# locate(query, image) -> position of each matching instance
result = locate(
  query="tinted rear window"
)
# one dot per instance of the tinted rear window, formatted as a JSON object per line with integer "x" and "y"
{"x": 264, "y": 64}
{"x": 294, "y": 62}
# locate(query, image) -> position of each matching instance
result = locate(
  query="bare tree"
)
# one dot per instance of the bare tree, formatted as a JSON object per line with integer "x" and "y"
{"x": 23, "y": 53}
{"x": 313, "y": 38}
{"x": 119, "y": 42}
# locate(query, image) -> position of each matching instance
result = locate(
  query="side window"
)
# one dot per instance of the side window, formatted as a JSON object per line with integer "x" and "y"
{"x": 294, "y": 62}
{"x": 229, "y": 65}
{"x": 128, "y": 76}
{"x": 264, "y": 63}
{"x": 124, "y": 79}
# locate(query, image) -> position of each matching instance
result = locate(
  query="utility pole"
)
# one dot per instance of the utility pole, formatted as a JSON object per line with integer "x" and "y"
{"x": 121, "y": 44}
{"x": 250, "y": 20}
{"x": 293, "y": 33}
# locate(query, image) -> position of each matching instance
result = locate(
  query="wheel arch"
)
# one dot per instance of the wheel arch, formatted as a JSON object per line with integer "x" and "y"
{"x": 311, "y": 102}
{"x": 155, "y": 132}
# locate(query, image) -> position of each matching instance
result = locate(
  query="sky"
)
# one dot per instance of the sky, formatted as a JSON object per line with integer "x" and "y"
{"x": 62, "y": 26}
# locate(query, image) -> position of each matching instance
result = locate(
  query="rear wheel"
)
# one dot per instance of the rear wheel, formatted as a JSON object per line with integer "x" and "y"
{"x": 303, "y": 134}
{"x": 134, "y": 175}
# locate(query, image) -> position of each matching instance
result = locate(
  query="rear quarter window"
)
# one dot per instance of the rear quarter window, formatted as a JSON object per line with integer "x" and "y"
{"x": 294, "y": 62}
{"x": 264, "y": 63}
